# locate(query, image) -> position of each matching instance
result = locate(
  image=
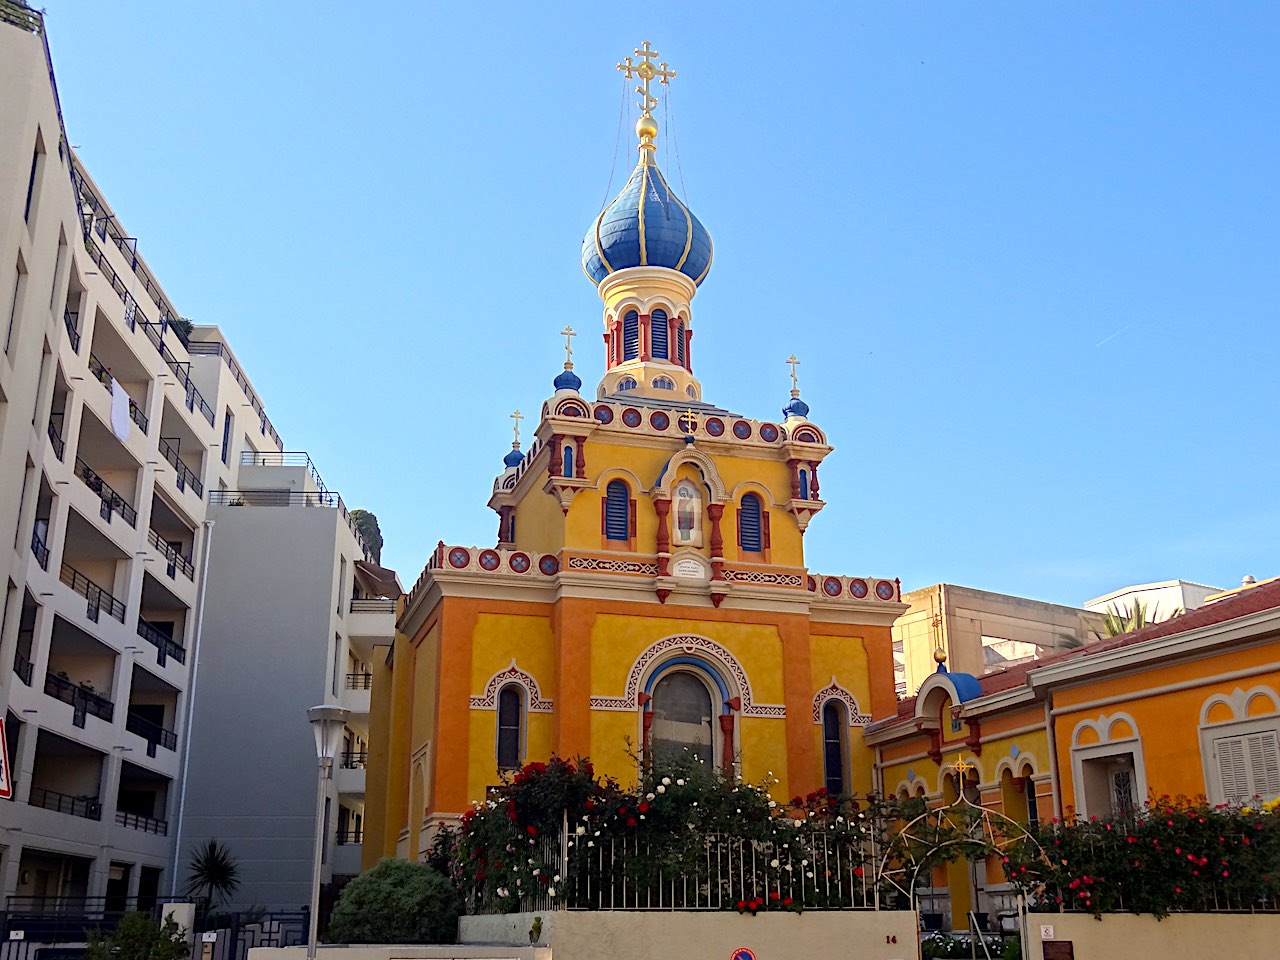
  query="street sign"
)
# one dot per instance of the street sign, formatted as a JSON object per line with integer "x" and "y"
{"x": 6, "y": 781}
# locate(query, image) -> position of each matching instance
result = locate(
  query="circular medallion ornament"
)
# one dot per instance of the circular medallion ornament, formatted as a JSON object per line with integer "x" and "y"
{"x": 831, "y": 587}
{"x": 715, "y": 427}
{"x": 459, "y": 557}
{"x": 489, "y": 559}
{"x": 858, "y": 587}
{"x": 768, "y": 432}
{"x": 631, "y": 417}
{"x": 519, "y": 562}
{"x": 884, "y": 590}
{"x": 811, "y": 583}
{"x": 742, "y": 430}
{"x": 604, "y": 414}
{"x": 549, "y": 565}
{"x": 659, "y": 420}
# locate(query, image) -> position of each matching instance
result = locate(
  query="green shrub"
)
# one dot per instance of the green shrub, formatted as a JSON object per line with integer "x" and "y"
{"x": 138, "y": 937}
{"x": 396, "y": 902}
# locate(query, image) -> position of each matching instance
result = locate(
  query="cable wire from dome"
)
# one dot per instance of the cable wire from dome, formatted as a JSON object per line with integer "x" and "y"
{"x": 617, "y": 139}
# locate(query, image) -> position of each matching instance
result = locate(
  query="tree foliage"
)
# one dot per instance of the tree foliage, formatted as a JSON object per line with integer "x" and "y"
{"x": 1117, "y": 621}
{"x": 367, "y": 523}
{"x": 138, "y": 937}
{"x": 213, "y": 873}
{"x": 396, "y": 902}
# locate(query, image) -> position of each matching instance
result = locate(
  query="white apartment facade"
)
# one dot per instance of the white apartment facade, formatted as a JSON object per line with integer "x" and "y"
{"x": 120, "y": 432}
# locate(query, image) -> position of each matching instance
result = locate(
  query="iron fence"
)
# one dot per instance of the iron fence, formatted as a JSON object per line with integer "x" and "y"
{"x": 87, "y": 807}
{"x": 153, "y": 733}
{"x": 98, "y": 598}
{"x": 83, "y": 702}
{"x": 165, "y": 645}
{"x": 175, "y": 560}
{"x": 112, "y": 502}
{"x": 39, "y": 550}
{"x": 184, "y": 475}
{"x": 55, "y": 438}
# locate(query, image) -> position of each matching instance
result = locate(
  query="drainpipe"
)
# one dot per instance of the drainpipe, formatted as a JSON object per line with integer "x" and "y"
{"x": 201, "y": 594}
{"x": 1053, "y": 754}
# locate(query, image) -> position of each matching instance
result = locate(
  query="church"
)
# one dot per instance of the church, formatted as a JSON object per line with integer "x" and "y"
{"x": 647, "y": 595}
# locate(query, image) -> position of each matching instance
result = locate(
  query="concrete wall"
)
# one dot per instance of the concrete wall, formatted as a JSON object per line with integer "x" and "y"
{"x": 1126, "y": 937}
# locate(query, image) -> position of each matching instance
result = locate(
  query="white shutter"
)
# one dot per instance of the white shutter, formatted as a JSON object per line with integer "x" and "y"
{"x": 1233, "y": 770}
{"x": 1264, "y": 763}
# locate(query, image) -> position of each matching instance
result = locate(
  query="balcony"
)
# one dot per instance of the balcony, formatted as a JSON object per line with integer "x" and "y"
{"x": 55, "y": 439}
{"x": 353, "y": 759}
{"x": 359, "y": 681}
{"x": 136, "y": 821}
{"x": 39, "y": 550}
{"x": 112, "y": 502}
{"x": 98, "y": 598}
{"x": 347, "y": 837}
{"x": 174, "y": 559}
{"x": 153, "y": 733}
{"x": 90, "y": 808}
{"x": 163, "y": 643}
{"x": 72, "y": 321}
{"x": 22, "y": 667}
{"x": 103, "y": 375}
{"x": 384, "y": 605}
{"x": 184, "y": 476}
{"x": 83, "y": 702}
{"x": 349, "y": 778}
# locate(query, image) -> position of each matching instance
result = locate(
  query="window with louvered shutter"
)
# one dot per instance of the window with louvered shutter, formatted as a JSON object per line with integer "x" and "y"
{"x": 658, "y": 334}
{"x": 509, "y": 709}
{"x": 630, "y": 335}
{"x": 617, "y": 511}
{"x": 680, "y": 343}
{"x": 749, "y": 524}
{"x": 1248, "y": 766}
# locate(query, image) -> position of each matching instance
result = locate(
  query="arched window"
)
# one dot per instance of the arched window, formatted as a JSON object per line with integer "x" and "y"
{"x": 691, "y": 392}
{"x": 659, "y": 328}
{"x": 1033, "y": 805}
{"x": 568, "y": 460}
{"x": 750, "y": 537}
{"x": 663, "y": 383}
{"x": 804, "y": 484}
{"x": 625, "y": 384}
{"x": 617, "y": 511}
{"x": 510, "y": 719}
{"x": 682, "y": 719}
{"x": 680, "y": 343}
{"x": 630, "y": 335}
{"x": 834, "y": 724}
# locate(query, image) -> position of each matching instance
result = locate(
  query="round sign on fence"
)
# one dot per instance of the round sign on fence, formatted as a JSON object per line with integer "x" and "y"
{"x": 742, "y": 953}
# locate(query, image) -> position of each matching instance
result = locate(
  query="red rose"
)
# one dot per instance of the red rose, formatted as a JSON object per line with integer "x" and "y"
{"x": 533, "y": 831}
{"x": 774, "y": 895}
{"x": 786, "y": 902}
{"x": 644, "y": 806}
{"x": 631, "y": 821}
{"x": 742, "y": 905}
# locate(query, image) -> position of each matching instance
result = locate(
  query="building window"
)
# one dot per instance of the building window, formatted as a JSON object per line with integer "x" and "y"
{"x": 680, "y": 343}
{"x": 1248, "y": 766}
{"x": 36, "y": 153}
{"x": 510, "y": 714}
{"x": 630, "y": 335}
{"x": 834, "y": 724}
{"x": 617, "y": 511}
{"x": 19, "y": 285}
{"x": 1033, "y": 808}
{"x": 663, "y": 383}
{"x": 691, "y": 392}
{"x": 227, "y": 421}
{"x": 625, "y": 384}
{"x": 682, "y": 720}
{"x": 342, "y": 584}
{"x": 659, "y": 327}
{"x": 568, "y": 461}
{"x": 804, "y": 484}
{"x": 749, "y": 525}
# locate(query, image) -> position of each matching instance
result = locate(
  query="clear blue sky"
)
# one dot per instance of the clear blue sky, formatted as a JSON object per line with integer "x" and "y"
{"x": 1027, "y": 252}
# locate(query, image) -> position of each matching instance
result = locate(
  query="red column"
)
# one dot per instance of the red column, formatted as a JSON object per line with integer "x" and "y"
{"x": 663, "y": 508}
{"x": 715, "y": 511}
{"x": 726, "y": 744}
{"x": 580, "y": 462}
{"x": 644, "y": 336}
{"x": 795, "y": 478}
{"x": 813, "y": 480}
{"x": 556, "y": 464}
{"x": 688, "y": 350}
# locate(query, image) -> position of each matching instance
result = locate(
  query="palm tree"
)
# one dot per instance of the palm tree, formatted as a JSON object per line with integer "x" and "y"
{"x": 1117, "y": 621}
{"x": 213, "y": 873}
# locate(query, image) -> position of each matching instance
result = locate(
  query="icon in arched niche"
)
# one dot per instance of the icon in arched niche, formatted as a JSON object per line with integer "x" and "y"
{"x": 688, "y": 519}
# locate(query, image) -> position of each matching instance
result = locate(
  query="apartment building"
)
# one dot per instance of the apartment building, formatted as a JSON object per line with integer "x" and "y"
{"x": 125, "y": 434}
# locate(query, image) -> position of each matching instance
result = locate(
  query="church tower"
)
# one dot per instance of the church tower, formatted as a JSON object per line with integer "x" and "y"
{"x": 648, "y": 592}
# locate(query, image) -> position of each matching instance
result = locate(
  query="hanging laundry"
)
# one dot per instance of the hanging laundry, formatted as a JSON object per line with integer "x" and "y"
{"x": 120, "y": 419}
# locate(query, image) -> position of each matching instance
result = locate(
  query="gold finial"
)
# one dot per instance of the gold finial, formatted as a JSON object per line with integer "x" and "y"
{"x": 647, "y": 71}
{"x": 939, "y": 655}
{"x": 516, "y": 417}
{"x": 795, "y": 382}
{"x": 568, "y": 335}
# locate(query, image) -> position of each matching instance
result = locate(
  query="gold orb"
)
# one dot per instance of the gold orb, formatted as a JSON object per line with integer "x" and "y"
{"x": 940, "y": 655}
{"x": 647, "y": 127}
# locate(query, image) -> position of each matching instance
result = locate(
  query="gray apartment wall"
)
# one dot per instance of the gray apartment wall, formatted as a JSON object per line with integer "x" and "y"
{"x": 263, "y": 659}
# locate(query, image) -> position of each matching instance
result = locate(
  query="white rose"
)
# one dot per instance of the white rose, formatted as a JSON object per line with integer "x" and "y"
{"x": 666, "y": 781}
{"x": 648, "y": 796}
{"x": 680, "y": 783}
{"x": 580, "y": 830}
{"x": 661, "y": 788}
{"x": 773, "y": 863}
{"x": 551, "y": 891}
{"x": 591, "y": 843}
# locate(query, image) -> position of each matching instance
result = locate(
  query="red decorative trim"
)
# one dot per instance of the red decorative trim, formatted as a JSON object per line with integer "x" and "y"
{"x": 512, "y": 674}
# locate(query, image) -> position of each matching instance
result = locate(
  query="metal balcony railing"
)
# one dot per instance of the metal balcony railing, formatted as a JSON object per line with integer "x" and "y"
{"x": 272, "y": 497}
{"x": 103, "y": 375}
{"x": 219, "y": 350}
{"x": 112, "y": 502}
{"x": 39, "y": 550}
{"x": 359, "y": 681}
{"x": 349, "y": 837}
{"x": 55, "y": 438}
{"x": 135, "y": 821}
{"x": 153, "y": 733}
{"x": 353, "y": 759}
{"x": 72, "y": 321}
{"x": 380, "y": 605}
{"x": 84, "y": 702}
{"x": 165, "y": 646}
{"x": 22, "y": 667}
{"x": 184, "y": 475}
{"x": 173, "y": 556}
{"x": 98, "y": 598}
{"x": 87, "y": 807}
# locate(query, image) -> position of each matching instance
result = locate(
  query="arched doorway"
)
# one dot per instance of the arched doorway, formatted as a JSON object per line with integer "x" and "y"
{"x": 682, "y": 719}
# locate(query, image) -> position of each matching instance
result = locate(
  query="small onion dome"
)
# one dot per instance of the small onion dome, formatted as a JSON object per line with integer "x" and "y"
{"x": 646, "y": 225}
{"x": 795, "y": 408}
{"x": 567, "y": 380}
{"x": 514, "y": 458}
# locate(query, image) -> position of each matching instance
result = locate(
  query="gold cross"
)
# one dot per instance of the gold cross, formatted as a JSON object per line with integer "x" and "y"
{"x": 961, "y": 767}
{"x": 568, "y": 335}
{"x": 516, "y": 417}
{"x": 689, "y": 422}
{"x": 647, "y": 73}
{"x": 795, "y": 383}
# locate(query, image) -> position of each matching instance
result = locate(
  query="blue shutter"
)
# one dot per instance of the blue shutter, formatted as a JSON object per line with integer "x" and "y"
{"x": 749, "y": 524}
{"x": 658, "y": 326}
{"x": 804, "y": 484}
{"x": 631, "y": 335}
{"x": 617, "y": 510}
{"x": 568, "y": 462}
{"x": 680, "y": 343}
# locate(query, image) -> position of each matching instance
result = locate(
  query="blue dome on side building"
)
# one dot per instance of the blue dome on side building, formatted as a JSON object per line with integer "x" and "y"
{"x": 795, "y": 407}
{"x": 567, "y": 380}
{"x": 647, "y": 225}
{"x": 513, "y": 459}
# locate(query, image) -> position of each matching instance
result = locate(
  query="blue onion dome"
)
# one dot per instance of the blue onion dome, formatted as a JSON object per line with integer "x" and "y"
{"x": 567, "y": 380}
{"x": 514, "y": 458}
{"x": 795, "y": 408}
{"x": 647, "y": 225}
